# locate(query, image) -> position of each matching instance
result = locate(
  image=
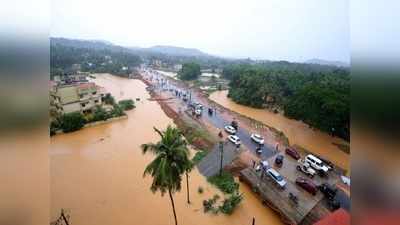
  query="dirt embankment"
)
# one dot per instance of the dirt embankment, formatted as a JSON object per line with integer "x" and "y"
{"x": 196, "y": 134}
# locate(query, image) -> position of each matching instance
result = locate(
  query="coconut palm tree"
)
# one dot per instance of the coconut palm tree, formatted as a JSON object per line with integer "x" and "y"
{"x": 188, "y": 168}
{"x": 171, "y": 161}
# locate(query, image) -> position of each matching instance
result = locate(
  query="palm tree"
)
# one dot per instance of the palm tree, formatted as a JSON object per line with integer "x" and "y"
{"x": 172, "y": 159}
{"x": 188, "y": 168}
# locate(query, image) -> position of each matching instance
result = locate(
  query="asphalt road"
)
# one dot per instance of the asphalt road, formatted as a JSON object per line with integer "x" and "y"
{"x": 216, "y": 120}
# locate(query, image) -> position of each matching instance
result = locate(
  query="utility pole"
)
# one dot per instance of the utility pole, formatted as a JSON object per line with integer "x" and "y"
{"x": 254, "y": 221}
{"x": 221, "y": 148}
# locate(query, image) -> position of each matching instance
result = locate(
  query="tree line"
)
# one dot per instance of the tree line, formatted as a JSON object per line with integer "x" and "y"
{"x": 62, "y": 58}
{"x": 318, "y": 95}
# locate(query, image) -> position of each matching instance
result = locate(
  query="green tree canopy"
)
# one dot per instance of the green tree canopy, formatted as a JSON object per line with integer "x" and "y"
{"x": 189, "y": 71}
{"x": 72, "y": 122}
{"x": 318, "y": 96}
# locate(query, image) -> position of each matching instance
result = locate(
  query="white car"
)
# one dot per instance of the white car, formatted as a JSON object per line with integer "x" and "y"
{"x": 316, "y": 163}
{"x": 234, "y": 139}
{"x": 198, "y": 112}
{"x": 305, "y": 168}
{"x": 276, "y": 177}
{"x": 257, "y": 138}
{"x": 230, "y": 129}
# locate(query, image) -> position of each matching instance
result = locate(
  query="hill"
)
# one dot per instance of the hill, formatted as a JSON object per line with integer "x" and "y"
{"x": 176, "y": 51}
{"x": 327, "y": 62}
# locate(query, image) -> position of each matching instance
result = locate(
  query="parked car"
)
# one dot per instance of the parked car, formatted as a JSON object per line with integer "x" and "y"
{"x": 307, "y": 185}
{"x": 230, "y": 130}
{"x": 210, "y": 111}
{"x": 257, "y": 138}
{"x": 328, "y": 191}
{"x": 235, "y": 124}
{"x": 234, "y": 139}
{"x": 293, "y": 153}
{"x": 316, "y": 164}
{"x": 305, "y": 168}
{"x": 276, "y": 177}
{"x": 259, "y": 149}
{"x": 198, "y": 112}
{"x": 279, "y": 160}
{"x": 199, "y": 106}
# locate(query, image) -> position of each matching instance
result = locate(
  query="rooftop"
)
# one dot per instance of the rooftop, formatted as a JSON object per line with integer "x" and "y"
{"x": 339, "y": 217}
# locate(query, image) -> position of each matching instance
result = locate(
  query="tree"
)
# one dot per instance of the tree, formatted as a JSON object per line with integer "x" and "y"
{"x": 99, "y": 114}
{"x": 189, "y": 167}
{"x": 189, "y": 71}
{"x": 171, "y": 161}
{"x": 127, "y": 104}
{"x": 318, "y": 95}
{"x": 72, "y": 121}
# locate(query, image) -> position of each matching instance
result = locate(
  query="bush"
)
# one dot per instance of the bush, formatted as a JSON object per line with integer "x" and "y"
{"x": 127, "y": 104}
{"x": 54, "y": 126}
{"x": 117, "y": 111}
{"x": 226, "y": 183}
{"x": 208, "y": 205}
{"x": 108, "y": 99}
{"x": 72, "y": 122}
{"x": 198, "y": 156}
{"x": 200, "y": 190}
{"x": 99, "y": 114}
{"x": 230, "y": 203}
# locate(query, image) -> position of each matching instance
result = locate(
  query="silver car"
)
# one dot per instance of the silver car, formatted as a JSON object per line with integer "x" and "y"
{"x": 257, "y": 138}
{"x": 276, "y": 177}
{"x": 230, "y": 129}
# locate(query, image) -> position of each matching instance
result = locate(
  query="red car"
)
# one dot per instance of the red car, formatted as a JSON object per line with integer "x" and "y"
{"x": 307, "y": 185}
{"x": 292, "y": 152}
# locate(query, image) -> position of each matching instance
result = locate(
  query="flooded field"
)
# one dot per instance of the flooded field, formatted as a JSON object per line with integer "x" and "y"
{"x": 297, "y": 132}
{"x": 97, "y": 173}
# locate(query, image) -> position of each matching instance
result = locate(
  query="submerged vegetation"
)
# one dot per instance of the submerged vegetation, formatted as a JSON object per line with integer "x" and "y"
{"x": 317, "y": 95}
{"x": 225, "y": 182}
{"x": 127, "y": 104}
{"x": 199, "y": 156}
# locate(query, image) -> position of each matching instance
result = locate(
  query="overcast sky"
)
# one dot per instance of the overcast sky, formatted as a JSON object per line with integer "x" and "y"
{"x": 294, "y": 30}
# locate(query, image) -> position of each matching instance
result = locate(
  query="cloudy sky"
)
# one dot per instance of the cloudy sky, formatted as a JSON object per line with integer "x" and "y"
{"x": 294, "y": 30}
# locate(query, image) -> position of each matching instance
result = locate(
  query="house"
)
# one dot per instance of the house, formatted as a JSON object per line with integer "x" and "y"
{"x": 75, "y": 97}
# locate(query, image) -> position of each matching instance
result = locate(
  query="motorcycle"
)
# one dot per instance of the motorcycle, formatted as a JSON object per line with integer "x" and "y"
{"x": 294, "y": 198}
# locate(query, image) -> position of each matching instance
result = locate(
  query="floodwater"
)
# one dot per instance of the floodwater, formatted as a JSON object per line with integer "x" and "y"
{"x": 97, "y": 173}
{"x": 297, "y": 132}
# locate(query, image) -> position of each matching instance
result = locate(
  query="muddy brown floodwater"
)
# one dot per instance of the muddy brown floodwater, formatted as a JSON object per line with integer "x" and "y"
{"x": 96, "y": 173}
{"x": 297, "y": 132}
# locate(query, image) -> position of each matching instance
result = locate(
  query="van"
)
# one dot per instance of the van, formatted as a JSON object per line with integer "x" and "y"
{"x": 276, "y": 177}
{"x": 316, "y": 163}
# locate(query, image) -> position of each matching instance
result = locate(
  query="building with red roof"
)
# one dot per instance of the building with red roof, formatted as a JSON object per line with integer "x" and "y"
{"x": 338, "y": 217}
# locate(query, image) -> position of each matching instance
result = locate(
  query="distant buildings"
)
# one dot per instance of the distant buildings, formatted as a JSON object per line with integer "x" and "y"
{"x": 177, "y": 67}
{"x": 79, "y": 77}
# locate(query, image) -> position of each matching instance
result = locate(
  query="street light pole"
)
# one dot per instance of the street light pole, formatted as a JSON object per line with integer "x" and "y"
{"x": 221, "y": 148}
